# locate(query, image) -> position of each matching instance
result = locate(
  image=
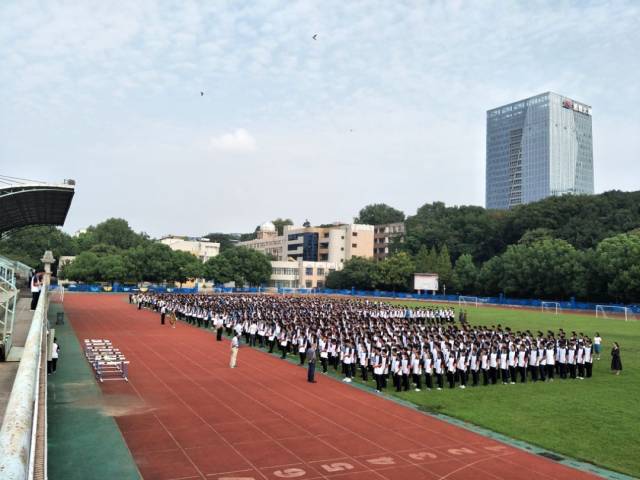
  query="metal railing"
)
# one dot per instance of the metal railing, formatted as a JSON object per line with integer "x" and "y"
{"x": 18, "y": 433}
{"x": 8, "y": 298}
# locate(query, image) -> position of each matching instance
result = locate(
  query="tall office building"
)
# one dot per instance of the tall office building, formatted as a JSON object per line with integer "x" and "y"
{"x": 536, "y": 148}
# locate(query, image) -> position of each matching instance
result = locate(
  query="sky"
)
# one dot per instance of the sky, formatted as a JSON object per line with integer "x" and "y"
{"x": 387, "y": 104}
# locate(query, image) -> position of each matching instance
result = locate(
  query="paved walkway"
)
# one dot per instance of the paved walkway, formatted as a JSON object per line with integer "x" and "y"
{"x": 83, "y": 439}
{"x": 8, "y": 369}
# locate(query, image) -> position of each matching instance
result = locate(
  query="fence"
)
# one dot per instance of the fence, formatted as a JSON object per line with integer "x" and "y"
{"x": 500, "y": 300}
{"x": 18, "y": 433}
{"x": 8, "y": 298}
{"x": 121, "y": 288}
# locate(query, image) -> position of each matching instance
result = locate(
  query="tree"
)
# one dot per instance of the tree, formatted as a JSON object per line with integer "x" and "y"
{"x": 28, "y": 244}
{"x": 443, "y": 266}
{"x": 581, "y": 220}
{"x": 378, "y": 214}
{"x": 112, "y": 268}
{"x": 536, "y": 235}
{"x": 103, "y": 249}
{"x": 359, "y": 273}
{"x": 226, "y": 240}
{"x": 617, "y": 267}
{"x": 491, "y": 275}
{"x": 84, "y": 268}
{"x": 548, "y": 269}
{"x": 185, "y": 266}
{"x": 113, "y": 231}
{"x": 465, "y": 274}
{"x": 280, "y": 223}
{"x": 240, "y": 265}
{"x": 395, "y": 273}
{"x": 426, "y": 260}
{"x": 465, "y": 229}
{"x": 151, "y": 261}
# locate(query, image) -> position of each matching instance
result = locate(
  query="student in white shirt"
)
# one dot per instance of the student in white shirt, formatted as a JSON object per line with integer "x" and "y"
{"x": 416, "y": 370}
{"x": 438, "y": 367}
{"x": 597, "y": 345}
{"x": 235, "y": 344}
{"x": 512, "y": 364}
{"x": 493, "y": 365}
{"x": 550, "y": 360}
{"x": 461, "y": 368}
{"x": 404, "y": 371}
{"x": 532, "y": 363}
{"x": 484, "y": 365}
{"x": 451, "y": 370}
{"x": 588, "y": 359}
{"x": 504, "y": 365}
{"x": 522, "y": 364}
{"x": 378, "y": 369}
{"x": 52, "y": 364}
{"x": 428, "y": 369}
{"x": 36, "y": 286}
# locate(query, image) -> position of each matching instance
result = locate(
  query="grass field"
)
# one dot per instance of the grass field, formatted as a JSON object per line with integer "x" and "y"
{"x": 596, "y": 420}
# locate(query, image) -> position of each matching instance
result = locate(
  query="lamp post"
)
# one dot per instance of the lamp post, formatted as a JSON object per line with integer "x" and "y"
{"x": 47, "y": 259}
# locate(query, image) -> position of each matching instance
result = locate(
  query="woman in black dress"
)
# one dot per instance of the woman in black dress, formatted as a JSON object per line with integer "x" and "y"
{"x": 616, "y": 361}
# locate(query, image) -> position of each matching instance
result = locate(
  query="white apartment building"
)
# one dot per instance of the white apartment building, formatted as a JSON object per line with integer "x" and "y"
{"x": 333, "y": 244}
{"x": 202, "y": 248}
{"x": 300, "y": 274}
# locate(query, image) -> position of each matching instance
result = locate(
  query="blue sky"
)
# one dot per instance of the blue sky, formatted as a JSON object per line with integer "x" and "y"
{"x": 387, "y": 105}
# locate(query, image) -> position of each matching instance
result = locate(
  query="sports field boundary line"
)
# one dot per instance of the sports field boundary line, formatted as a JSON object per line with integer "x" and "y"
{"x": 519, "y": 444}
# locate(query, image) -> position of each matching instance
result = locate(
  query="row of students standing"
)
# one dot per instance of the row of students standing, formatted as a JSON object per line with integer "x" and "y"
{"x": 406, "y": 349}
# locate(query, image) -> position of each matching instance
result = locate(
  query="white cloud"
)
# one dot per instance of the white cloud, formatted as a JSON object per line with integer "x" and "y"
{"x": 393, "y": 94}
{"x": 239, "y": 141}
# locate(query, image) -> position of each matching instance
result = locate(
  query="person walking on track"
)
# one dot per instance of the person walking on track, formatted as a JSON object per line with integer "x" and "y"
{"x": 311, "y": 362}
{"x": 235, "y": 344}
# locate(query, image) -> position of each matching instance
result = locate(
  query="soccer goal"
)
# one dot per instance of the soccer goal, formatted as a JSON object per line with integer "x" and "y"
{"x": 550, "y": 307}
{"x": 464, "y": 301}
{"x": 613, "y": 311}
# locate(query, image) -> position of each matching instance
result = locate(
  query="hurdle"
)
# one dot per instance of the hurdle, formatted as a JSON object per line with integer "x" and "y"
{"x": 108, "y": 362}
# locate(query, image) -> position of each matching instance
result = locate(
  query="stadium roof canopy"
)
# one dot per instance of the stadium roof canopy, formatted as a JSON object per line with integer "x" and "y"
{"x": 27, "y": 202}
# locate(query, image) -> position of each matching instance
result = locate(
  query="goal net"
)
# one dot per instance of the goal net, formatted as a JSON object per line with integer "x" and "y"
{"x": 464, "y": 301}
{"x": 550, "y": 307}
{"x": 612, "y": 311}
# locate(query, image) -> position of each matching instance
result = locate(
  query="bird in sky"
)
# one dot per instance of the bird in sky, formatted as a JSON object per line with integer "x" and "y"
{"x": 202, "y": 94}
{"x": 315, "y": 36}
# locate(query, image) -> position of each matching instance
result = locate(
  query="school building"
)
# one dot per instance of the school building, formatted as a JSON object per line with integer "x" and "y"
{"x": 202, "y": 248}
{"x": 300, "y": 274}
{"x": 334, "y": 244}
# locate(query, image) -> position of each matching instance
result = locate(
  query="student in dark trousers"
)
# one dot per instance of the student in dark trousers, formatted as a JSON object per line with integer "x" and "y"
{"x": 551, "y": 361}
{"x": 163, "y": 312}
{"x": 616, "y": 361}
{"x": 324, "y": 360}
{"x": 36, "y": 286}
{"x": 219, "y": 328}
{"x": 55, "y": 353}
{"x": 451, "y": 370}
{"x": 311, "y": 363}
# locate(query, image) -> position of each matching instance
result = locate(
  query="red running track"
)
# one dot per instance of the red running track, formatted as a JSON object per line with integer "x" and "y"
{"x": 200, "y": 419}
